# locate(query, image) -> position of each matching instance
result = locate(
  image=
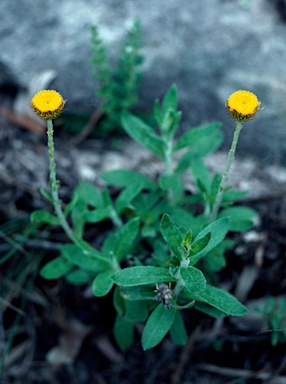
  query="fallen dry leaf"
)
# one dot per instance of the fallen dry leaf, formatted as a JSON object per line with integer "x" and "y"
{"x": 69, "y": 343}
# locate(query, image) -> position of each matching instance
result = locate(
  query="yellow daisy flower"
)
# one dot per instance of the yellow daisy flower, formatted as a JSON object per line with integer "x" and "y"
{"x": 242, "y": 105}
{"x": 48, "y": 104}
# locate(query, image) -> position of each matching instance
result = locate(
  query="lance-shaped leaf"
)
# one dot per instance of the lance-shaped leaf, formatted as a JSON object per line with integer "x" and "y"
{"x": 89, "y": 261}
{"x": 209, "y": 310}
{"x": 187, "y": 240}
{"x": 221, "y": 300}
{"x": 199, "y": 244}
{"x": 170, "y": 100}
{"x": 142, "y": 133}
{"x": 193, "y": 279}
{"x": 96, "y": 215}
{"x": 79, "y": 276}
{"x": 89, "y": 194}
{"x": 172, "y": 235}
{"x": 242, "y": 218}
{"x": 141, "y": 275}
{"x": 124, "y": 177}
{"x": 102, "y": 284}
{"x": 178, "y": 331}
{"x": 56, "y": 268}
{"x": 40, "y": 216}
{"x": 126, "y": 196}
{"x": 157, "y": 326}
{"x": 184, "y": 306}
{"x": 218, "y": 229}
{"x": 195, "y": 134}
{"x": 126, "y": 237}
{"x": 139, "y": 293}
{"x": 123, "y": 332}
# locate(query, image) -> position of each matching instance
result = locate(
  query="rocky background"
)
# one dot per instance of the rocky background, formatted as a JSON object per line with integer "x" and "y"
{"x": 210, "y": 48}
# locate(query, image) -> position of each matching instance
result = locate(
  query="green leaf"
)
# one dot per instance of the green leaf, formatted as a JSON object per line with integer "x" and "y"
{"x": 106, "y": 198}
{"x": 193, "y": 279}
{"x": 136, "y": 310}
{"x": 123, "y": 331}
{"x": 187, "y": 240}
{"x": 183, "y": 306}
{"x": 40, "y": 216}
{"x": 170, "y": 100}
{"x": 140, "y": 292}
{"x": 71, "y": 205}
{"x": 123, "y": 178}
{"x": 89, "y": 261}
{"x": 215, "y": 185}
{"x": 201, "y": 149}
{"x": 47, "y": 195}
{"x": 102, "y": 284}
{"x": 96, "y": 215}
{"x": 160, "y": 255}
{"x": 178, "y": 331}
{"x": 126, "y": 237}
{"x": 201, "y": 174}
{"x": 56, "y": 268}
{"x": 194, "y": 135}
{"x": 242, "y": 218}
{"x": 208, "y": 310}
{"x": 199, "y": 244}
{"x": 214, "y": 261}
{"x": 157, "y": 112}
{"x": 218, "y": 229}
{"x": 108, "y": 245}
{"x": 185, "y": 220}
{"x": 171, "y": 235}
{"x": 118, "y": 301}
{"x": 138, "y": 130}
{"x": 78, "y": 277}
{"x": 233, "y": 195}
{"x": 141, "y": 275}
{"x": 158, "y": 324}
{"x": 167, "y": 182}
{"x": 221, "y": 300}
{"x": 126, "y": 196}
{"x": 77, "y": 217}
{"x": 89, "y": 194}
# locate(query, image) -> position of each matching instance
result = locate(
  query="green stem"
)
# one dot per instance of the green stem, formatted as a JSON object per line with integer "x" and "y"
{"x": 180, "y": 284}
{"x": 54, "y": 187}
{"x": 168, "y": 157}
{"x": 169, "y": 165}
{"x": 115, "y": 218}
{"x": 225, "y": 176}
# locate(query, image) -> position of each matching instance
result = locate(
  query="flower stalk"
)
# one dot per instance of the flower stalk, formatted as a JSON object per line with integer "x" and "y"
{"x": 49, "y": 104}
{"x": 242, "y": 106}
{"x": 225, "y": 176}
{"x": 54, "y": 187}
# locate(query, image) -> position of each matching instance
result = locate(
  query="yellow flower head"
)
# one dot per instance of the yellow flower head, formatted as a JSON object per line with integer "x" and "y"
{"x": 242, "y": 105}
{"x": 48, "y": 104}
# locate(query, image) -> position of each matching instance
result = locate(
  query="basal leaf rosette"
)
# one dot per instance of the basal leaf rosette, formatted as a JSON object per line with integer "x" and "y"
{"x": 242, "y": 105}
{"x": 48, "y": 104}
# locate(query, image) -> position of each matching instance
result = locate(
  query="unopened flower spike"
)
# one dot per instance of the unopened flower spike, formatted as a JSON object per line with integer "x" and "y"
{"x": 48, "y": 104}
{"x": 242, "y": 105}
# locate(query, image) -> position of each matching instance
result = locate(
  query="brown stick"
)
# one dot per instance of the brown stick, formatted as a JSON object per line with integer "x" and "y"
{"x": 97, "y": 114}
{"x": 24, "y": 122}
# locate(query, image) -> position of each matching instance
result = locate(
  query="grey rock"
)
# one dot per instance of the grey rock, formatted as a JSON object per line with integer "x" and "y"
{"x": 210, "y": 48}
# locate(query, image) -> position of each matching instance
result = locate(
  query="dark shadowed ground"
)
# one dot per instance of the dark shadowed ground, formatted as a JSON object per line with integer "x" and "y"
{"x": 57, "y": 333}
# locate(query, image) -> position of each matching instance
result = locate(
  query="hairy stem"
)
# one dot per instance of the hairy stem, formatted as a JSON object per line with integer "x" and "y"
{"x": 225, "y": 176}
{"x": 54, "y": 187}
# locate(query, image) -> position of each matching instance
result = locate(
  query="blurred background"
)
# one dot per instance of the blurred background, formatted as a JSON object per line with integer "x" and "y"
{"x": 209, "y": 48}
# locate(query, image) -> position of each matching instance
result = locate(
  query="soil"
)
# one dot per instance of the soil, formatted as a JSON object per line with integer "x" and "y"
{"x": 54, "y": 332}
